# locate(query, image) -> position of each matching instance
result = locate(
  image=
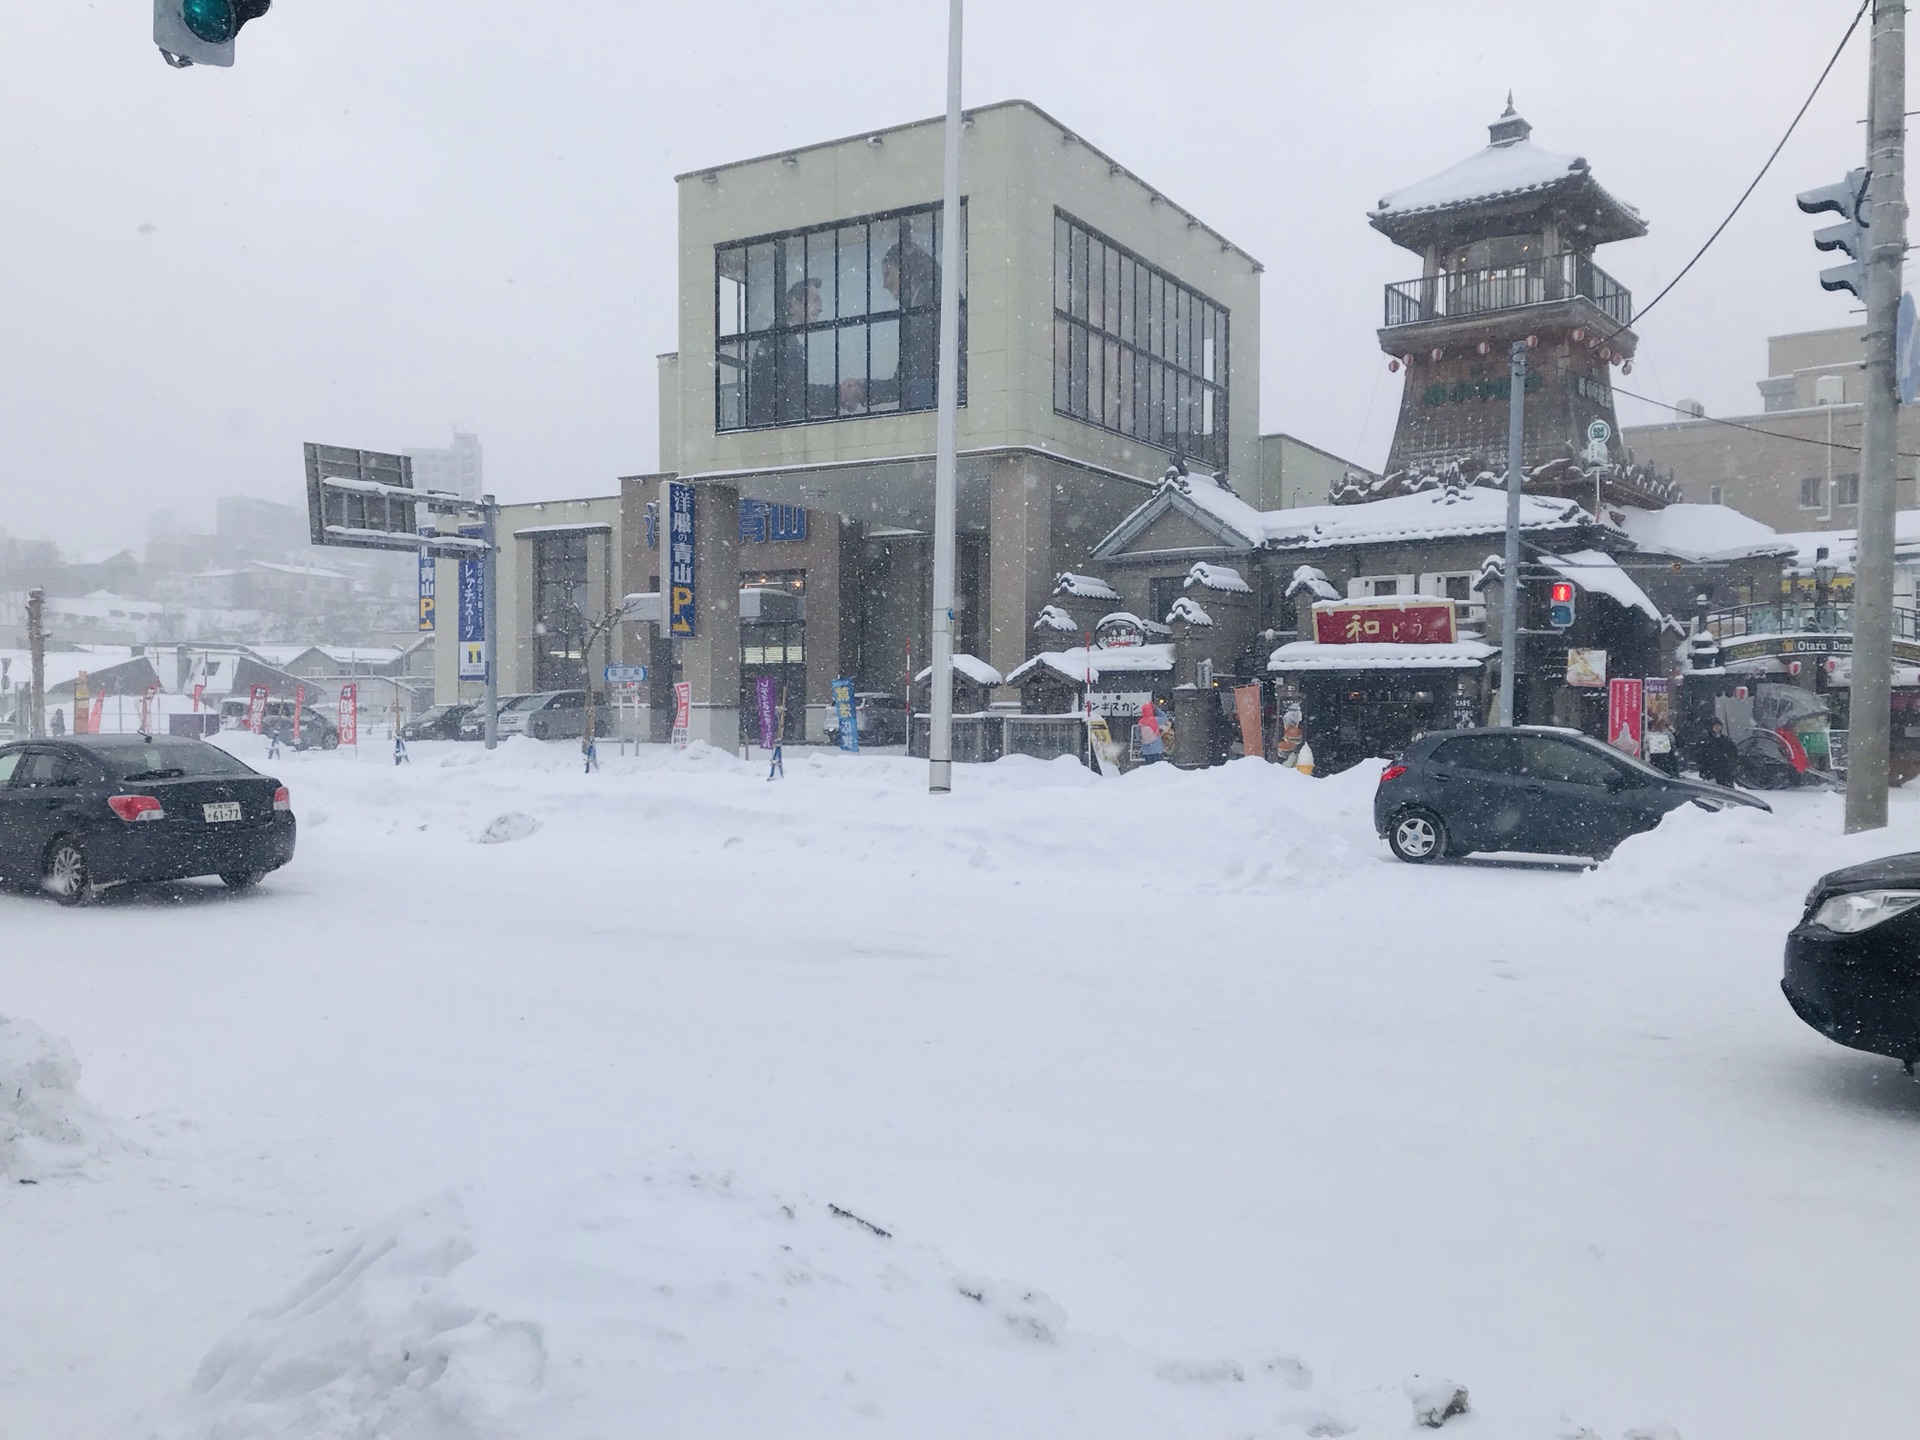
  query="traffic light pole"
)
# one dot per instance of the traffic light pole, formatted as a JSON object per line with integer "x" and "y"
{"x": 1510, "y": 572}
{"x": 1871, "y": 705}
{"x": 946, "y": 442}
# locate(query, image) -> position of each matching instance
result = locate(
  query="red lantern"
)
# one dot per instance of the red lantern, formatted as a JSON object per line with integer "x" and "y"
{"x": 1627, "y": 369}
{"x": 1438, "y": 353}
{"x": 1605, "y": 353}
{"x": 1483, "y": 347}
{"x": 1393, "y": 367}
{"x": 1407, "y": 360}
{"x": 1579, "y": 335}
{"x": 1793, "y": 667}
{"x": 1532, "y": 340}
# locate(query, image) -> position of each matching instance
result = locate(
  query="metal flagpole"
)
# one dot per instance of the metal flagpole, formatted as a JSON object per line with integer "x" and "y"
{"x": 946, "y": 441}
{"x": 1870, "y": 705}
{"x": 1510, "y": 575}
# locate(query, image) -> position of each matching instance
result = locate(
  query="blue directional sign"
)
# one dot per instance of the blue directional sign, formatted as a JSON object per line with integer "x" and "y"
{"x": 624, "y": 674}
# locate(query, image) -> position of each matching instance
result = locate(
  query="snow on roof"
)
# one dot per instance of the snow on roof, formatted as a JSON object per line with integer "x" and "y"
{"x": 1314, "y": 582}
{"x": 1218, "y": 577}
{"x": 971, "y": 666}
{"x": 104, "y": 604}
{"x": 1187, "y": 610}
{"x": 319, "y": 572}
{"x": 1430, "y": 514}
{"x": 578, "y": 527}
{"x": 1701, "y": 532}
{"x": 280, "y": 656}
{"x": 1312, "y": 655}
{"x": 1127, "y": 617}
{"x": 64, "y": 666}
{"x": 1600, "y": 573}
{"x": 1089, "y": 587}
{"x": 361, "y": 654}
{"x": 1052, "y": 617}
{"x": 1074, "y": 664}
{"x": 1843, "y": 545}
{"x": 1513, "y": 168}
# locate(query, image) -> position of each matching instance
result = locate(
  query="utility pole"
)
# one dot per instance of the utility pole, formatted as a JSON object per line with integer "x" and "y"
{"x": 946, "y": 496}
{"x": 37, "y": 645}
{"x": 1510, "y": 572}
{"x": 1871, "y": 705}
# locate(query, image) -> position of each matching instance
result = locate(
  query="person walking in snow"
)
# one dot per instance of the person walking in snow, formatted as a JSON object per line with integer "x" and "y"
{"x": 1719, "y": 760}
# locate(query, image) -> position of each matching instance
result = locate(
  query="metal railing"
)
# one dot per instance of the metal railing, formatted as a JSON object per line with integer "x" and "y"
{"x": 1045, "y": 737}
{"x": 1538, "y": 281}
{"x": 1800, "y": 617}
{"x": 976, "y": 738}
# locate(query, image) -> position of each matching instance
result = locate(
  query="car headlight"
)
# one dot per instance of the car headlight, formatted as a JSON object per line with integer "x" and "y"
{"x": 1863, "y": 909}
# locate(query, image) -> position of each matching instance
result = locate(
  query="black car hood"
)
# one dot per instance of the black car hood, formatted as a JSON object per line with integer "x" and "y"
{"x": 1706, "y": 790}
{"x": 1891, "y": 872}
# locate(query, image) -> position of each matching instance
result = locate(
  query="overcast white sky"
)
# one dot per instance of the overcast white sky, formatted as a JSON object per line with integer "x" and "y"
{"x": 390, "y": 218}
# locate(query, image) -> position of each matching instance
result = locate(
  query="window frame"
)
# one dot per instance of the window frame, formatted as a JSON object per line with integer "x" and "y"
{"x": 1139, "y": 339}
{"x": 1816, "y": 486}
{"x": 833, "y": 327}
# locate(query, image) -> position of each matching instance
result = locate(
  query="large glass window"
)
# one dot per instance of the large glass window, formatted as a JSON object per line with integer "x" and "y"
{"x": 833, "y": 322}
{"x": 1134, "y": 350}
{"x": 559, "y": 610}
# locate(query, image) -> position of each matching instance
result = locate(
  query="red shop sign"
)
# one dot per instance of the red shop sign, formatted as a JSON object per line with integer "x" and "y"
{"x": 1374, "y": 622}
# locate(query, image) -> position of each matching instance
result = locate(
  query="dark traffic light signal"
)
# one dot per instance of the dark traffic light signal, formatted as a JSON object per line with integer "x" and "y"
{"x": 1560, "y": 607}
{"x": 200, "y": 32}
{"x": 1849, "y": 200}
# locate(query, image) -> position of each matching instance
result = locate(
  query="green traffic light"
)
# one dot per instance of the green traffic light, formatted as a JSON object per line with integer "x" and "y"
{"x": 209, "y": 20}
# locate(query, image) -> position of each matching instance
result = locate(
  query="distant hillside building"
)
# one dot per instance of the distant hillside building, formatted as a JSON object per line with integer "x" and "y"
{"x": 455, "y": 468}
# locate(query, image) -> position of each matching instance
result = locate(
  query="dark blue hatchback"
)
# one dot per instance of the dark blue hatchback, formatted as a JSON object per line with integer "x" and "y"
{"x": 1534, "y": 789}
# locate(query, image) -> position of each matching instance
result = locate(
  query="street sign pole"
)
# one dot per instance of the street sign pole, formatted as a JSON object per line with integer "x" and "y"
{"x": 490, "y": 518}
{"x": 1510, "y": 575}
{"x": 946, "y": 436}
{"x": 1870, "y": 706}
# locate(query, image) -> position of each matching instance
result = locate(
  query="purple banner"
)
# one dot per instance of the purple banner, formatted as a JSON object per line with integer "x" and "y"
{"x": 764, "y": 693}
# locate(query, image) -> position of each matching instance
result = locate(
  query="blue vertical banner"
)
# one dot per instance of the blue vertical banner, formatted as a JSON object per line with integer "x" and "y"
{"x": 473, "y": 620}
{"x": 680, "y": 585}
{"x": 426, "y": 586}
{"x": 843, "y": 709}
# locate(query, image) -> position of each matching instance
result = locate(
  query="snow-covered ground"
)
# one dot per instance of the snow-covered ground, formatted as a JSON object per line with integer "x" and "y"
{"x": 695, "y": 1105}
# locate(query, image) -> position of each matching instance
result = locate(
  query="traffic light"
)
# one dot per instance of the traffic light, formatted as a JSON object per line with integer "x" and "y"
{"x": 1560, "y": 608}
{"x": 200, "y": 32}
{"x": 1849, "y": 200}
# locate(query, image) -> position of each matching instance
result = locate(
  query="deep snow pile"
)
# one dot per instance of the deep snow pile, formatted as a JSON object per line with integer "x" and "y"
{"x": 46, "y": 1127}
{"x": 672, "y": 1299}
{"x": 1276, "y": 1136}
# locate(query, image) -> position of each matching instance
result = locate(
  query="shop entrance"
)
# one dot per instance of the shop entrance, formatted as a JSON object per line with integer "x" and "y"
{"x": 773, "y": 641}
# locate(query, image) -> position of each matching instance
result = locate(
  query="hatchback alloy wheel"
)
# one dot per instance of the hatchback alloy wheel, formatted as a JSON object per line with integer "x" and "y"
{"x": 65, "y": 876}
{"x": 1415, "y": 837}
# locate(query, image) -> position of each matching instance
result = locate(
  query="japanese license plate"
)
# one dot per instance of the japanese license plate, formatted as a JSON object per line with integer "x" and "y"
{"x": 221, "y": 810}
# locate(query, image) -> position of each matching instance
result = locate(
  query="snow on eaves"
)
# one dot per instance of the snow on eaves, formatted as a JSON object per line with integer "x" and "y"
{"x": 1185, "y": 609}
{"x": 1218, "y": 577}
{"x": 1075, "y": 664}
{"x": 971, "y": 666}
{"x": 1515, "y": 167}
{"x": 1701, "y": 532}
{"x": 1312, "y": 655}
{"x": 1598, "y": 572}
{"x": 1314, "y": 581}
{"x": 1088, "y": 587}
{"x": 1052, "y": 617}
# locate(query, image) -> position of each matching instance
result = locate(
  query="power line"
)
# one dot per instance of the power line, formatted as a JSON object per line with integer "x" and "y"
{"x": 1755, "y": 429}
{"x": 1744, "y": 194}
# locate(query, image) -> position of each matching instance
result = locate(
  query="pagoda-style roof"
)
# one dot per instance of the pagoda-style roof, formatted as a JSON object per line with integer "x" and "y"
{"x": 1512, "y": 186}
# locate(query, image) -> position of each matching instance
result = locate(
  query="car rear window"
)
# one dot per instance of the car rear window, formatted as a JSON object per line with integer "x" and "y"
{"x": 169, "y": 760}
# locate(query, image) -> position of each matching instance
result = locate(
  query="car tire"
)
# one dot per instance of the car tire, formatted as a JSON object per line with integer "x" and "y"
{"x": 64, "y": 873}
{"x": 241, "y": 879}
{"x": 1418, "y": 837}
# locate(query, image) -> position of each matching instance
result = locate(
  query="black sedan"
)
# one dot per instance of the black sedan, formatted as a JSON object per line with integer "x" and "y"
{"x": 442, "y": 722}
{"x": 87, "y": 811}
{"x": 1526, "y": 788}
{"x": 1853, "y": 961}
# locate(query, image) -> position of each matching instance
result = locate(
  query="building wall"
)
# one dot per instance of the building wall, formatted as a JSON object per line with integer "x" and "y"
{"x": 1292, "y": 473}
{"x": 1017, "y": 166}
{"x": 1796, "y": 364}
{"x": 1761, "y": 474}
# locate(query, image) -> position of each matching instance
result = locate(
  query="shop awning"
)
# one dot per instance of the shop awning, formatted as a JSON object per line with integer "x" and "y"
{"x": 1312, "y": 655}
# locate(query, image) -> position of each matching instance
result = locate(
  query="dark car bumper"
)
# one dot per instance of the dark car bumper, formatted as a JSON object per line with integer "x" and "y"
{"x": 1852, "y": 990}
{"x": 159, "y": 852}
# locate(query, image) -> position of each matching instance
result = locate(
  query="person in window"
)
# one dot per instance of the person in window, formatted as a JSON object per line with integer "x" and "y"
{"x": 1660, "y": 751}
{"x": 910, "y": 276}
{"x": 777, "y": 386}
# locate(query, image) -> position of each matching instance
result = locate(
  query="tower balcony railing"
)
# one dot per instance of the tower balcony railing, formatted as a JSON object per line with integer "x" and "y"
{"x": 1801, "y": 617}
{"x": 1546, "y": 278}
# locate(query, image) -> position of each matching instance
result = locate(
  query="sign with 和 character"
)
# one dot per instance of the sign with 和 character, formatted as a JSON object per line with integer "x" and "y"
{"x": 1414, "y": 620}
{"x": 680, "y": 585}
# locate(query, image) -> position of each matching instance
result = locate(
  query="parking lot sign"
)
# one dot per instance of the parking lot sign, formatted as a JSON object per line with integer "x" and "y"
{"x": 680, "y": 578}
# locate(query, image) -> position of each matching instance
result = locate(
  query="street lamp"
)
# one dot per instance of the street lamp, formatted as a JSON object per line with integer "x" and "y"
{"x": 1823, "y": 572}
